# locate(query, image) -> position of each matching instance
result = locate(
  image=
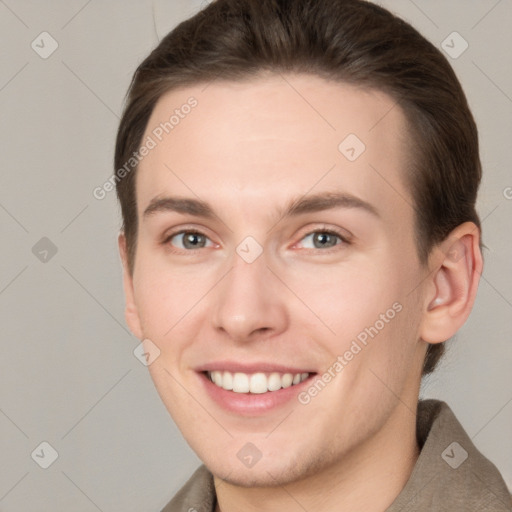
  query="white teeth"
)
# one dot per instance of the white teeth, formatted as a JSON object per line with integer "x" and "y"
{"x": 240, "y": 383}
{"x": 255, "y": 383}
{"x": 227, "y": 381}
{"x": 217, "y": 378}
{"x": 258, "y": 383}
{"x": 287, "y": 380}
{"x": 274, "y": 382}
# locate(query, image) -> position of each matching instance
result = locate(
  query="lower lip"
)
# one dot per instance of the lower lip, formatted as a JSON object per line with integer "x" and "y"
{"x": 252, "y": 404}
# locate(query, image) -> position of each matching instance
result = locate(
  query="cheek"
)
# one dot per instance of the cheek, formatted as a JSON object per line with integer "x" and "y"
{"x": 373, "y": 316}
{"x": 348, "y": 298}
{"x": 164, "y": 296}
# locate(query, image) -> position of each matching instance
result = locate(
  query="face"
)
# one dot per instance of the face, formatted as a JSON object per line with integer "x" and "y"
{"x": 276, "y": 256}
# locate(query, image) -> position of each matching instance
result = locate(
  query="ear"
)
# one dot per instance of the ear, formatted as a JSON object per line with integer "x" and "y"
{"x": 131, "y": 313}
{"x": 452, "y": 283}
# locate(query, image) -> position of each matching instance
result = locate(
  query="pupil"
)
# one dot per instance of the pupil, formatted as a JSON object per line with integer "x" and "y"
{"x": 192, "y": 239}
{"x": 322, "y": 238}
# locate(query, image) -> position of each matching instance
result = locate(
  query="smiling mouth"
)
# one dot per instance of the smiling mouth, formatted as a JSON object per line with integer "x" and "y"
{"x": 257, "y": 383}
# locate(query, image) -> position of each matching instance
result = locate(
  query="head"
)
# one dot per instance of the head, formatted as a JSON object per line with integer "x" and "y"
{"x": 274, "y": 103}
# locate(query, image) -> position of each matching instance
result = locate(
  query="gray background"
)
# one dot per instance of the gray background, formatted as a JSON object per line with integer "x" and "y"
{"x": 68, "y": 375}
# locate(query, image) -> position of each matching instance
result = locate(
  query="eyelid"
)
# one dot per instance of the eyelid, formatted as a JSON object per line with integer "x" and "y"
{"x": 345, "y": 235}
{"x": 346, "y": 239}
{"x": 176, "y": 230}
{"x": 171, "y": 233}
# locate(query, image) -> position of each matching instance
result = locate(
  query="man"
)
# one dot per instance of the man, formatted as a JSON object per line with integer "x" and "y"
{"x": 298, "y": 182}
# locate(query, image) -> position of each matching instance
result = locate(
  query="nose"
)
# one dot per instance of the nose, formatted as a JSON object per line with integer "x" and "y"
{"x": 249, "y": 302}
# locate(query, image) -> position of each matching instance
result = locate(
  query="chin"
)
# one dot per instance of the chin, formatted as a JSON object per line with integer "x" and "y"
{"x": 254, "y": 477}
{"x": 281, "y": 470}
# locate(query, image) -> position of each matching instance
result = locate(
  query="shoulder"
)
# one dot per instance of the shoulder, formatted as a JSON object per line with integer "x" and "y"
{"x": 197, "y": 495}
{"x": 450, "y": 473}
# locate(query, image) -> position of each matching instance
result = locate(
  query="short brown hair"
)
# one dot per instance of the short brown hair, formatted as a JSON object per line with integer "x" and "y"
{"x": 351, "y": 41}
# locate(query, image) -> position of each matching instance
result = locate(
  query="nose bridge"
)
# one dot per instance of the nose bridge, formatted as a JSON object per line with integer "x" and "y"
{"x": 246, "y": 300}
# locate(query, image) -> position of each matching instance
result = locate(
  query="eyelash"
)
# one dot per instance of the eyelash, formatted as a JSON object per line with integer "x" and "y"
{"x": 327, "y": 231}
{"x": 344, "y": 240}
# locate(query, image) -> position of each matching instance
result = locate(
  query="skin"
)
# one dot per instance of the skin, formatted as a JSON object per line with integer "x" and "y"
{"x": 248, "y": 149}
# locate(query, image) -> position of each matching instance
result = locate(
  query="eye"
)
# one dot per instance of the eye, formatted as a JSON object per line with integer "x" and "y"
{"x": 188, "y": 240}
{"x": 324, "y": 239}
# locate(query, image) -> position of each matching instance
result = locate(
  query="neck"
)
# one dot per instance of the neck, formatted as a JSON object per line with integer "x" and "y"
{"x": 382, "y": 465}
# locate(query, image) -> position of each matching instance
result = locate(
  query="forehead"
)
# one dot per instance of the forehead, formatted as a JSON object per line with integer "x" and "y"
{"x": 273, "y": 139}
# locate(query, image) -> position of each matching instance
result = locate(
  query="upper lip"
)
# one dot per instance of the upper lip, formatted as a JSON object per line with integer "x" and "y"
{"x": 267, "y": 367}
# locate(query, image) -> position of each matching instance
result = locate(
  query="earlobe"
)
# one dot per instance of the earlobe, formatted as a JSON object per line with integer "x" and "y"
{"x": 452, "y": 284}
{"x": 131, "y": 312}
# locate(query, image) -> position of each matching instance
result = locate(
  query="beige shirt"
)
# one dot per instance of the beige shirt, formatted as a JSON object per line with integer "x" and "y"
{"x": 449, "y": 475}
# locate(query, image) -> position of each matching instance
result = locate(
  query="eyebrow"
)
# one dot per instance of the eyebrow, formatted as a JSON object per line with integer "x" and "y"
{"x": 302, "y": 205}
